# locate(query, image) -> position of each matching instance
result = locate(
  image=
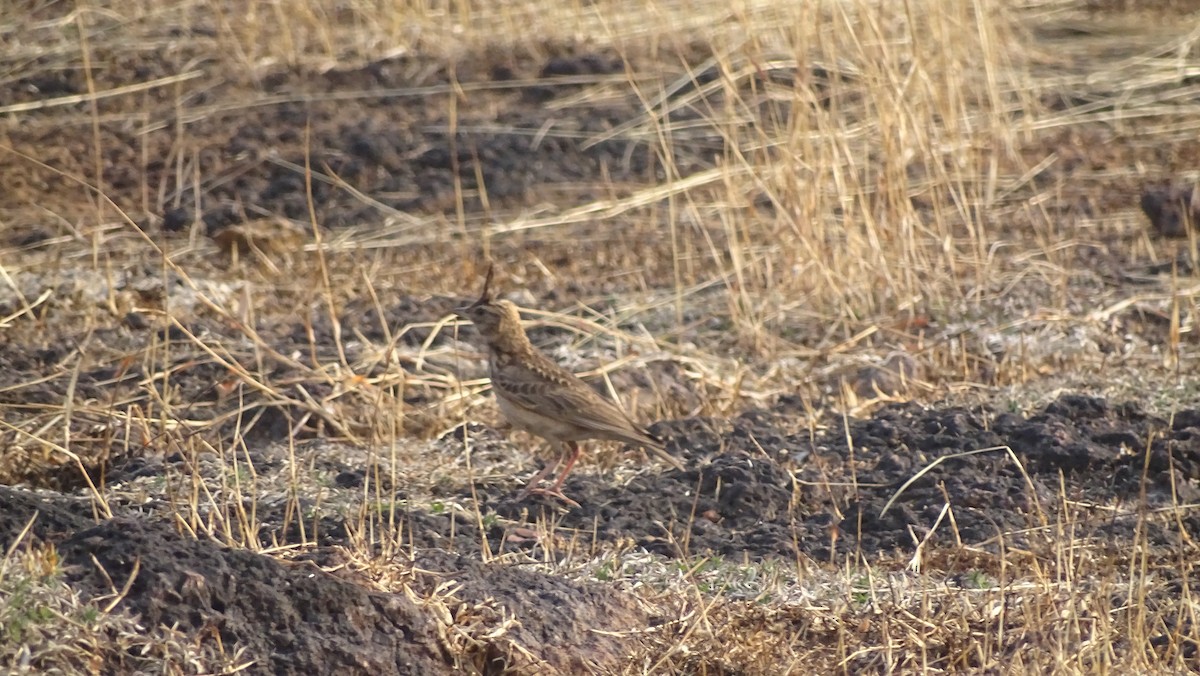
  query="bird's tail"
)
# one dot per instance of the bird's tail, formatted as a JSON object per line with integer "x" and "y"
{"x": 660, "y": 449}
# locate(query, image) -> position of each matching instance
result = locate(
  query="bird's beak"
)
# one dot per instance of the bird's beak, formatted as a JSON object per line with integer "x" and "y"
{"x": 485, "y": 296}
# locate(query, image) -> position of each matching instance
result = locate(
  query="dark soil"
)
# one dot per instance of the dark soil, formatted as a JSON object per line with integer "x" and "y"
{"x": 573, "y": 627}
{"x": 756, "y": 491}
{"x": 289, "y": 618}
{"x": 292, "y": 618}
{"x": 413, "y": 134}
{"x": 753, "y": 491}
{"x": 1171, "y": 208}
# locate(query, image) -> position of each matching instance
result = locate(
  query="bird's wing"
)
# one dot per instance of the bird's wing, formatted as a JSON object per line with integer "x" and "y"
{"x": 547, "y": 388}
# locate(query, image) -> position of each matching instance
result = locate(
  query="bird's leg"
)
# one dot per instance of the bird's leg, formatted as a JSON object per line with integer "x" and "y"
{"x": 532, "y": 486}
{"x": 556, "y": 490}
{"x": 573, "y": 446}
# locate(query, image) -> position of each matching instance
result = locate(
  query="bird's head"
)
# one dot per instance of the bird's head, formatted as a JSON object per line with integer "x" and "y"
{"x": 497, "y": 320}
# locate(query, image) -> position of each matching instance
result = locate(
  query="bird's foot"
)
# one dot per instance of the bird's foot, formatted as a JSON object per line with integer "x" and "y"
{"x": 550, "y": 493}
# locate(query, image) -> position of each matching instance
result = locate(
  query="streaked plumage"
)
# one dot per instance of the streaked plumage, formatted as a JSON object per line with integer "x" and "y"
{"x": 539, "y": 396}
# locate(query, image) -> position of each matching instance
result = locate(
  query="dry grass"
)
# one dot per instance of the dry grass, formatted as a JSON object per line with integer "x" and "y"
{"x": 952, "y": 181}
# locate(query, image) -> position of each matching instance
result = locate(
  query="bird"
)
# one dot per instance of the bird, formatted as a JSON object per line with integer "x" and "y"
{"x": 537, "y": 395}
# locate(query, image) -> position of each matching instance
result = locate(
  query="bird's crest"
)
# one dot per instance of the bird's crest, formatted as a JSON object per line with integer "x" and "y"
{"x": 485, "y": 296}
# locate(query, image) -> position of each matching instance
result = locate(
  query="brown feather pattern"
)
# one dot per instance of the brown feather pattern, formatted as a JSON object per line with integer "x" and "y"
{"x": 540, "y": 396}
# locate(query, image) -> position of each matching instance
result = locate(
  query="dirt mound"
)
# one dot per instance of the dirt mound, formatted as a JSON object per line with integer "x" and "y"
{"x": 292, "y": 618}
{"x": 288, "y": 618}
{"x": 569, "y": 628}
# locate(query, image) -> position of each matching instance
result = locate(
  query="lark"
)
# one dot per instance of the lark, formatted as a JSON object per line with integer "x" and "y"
{"x": 539, "y": 396}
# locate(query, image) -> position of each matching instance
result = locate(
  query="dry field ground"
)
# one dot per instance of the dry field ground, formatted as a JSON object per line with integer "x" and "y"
{"x": 877, "y": 271}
